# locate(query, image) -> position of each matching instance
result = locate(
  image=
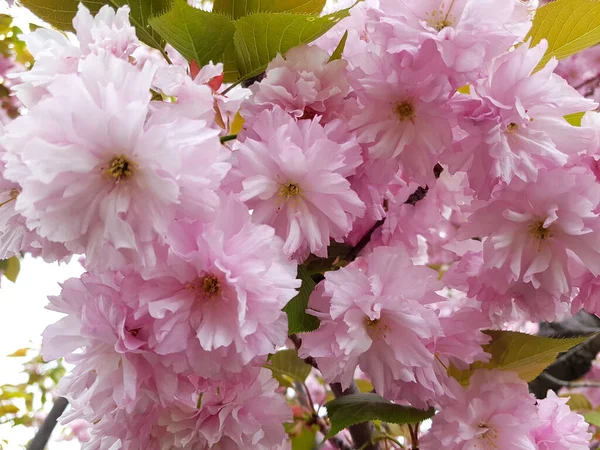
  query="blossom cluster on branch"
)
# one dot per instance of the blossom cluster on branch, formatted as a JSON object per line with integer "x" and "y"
{"x": 432, "y": 150}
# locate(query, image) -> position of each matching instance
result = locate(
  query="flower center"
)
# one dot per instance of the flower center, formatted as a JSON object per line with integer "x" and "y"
{"x": 512, "y": 127}
{"x": 208, "y": 286}
{"x": 488, "y": 435}
{"x": 308, "y": 113}
{"x": 404, "y": 110}
{"x": 537, "y": 230}
{"x": 120, "y": 167}
{"x": 289, "y": 190}
{"x": 440, "y": 19}
{"x": 211, "y": 286}
{"x": 375, "y": 328}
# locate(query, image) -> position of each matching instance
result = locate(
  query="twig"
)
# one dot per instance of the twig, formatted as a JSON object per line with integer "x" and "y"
{"x": 571, "y": 384}
{"x": 354, "y": 252}
{"x": 43, "y": 434}
{"x": 570, "y": 366}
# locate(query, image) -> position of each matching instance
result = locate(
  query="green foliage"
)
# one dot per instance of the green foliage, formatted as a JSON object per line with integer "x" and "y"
{"x": 287, "y": 367}
{"x": 198, "y": 35}
{"x": 578, "y": 402}
{"x": 575, "y": 119}
{"x": 10, "y": 268}
{"x": 357, "y": 408}
{"x": 245, "y": 35}
{"x": 260, "y": 37}
{"x": 518, "y": 352}
{"x": 305, "y": 440}
{"x": 339, "y": 50}
{"x": 19, "y": 403}
{"x": 298, "y": 320}
{"x": 240, "y": 8}
{"x": 593, "y": 418}
{"x": 569, "y": 26}
{"x": 60, "y": 13}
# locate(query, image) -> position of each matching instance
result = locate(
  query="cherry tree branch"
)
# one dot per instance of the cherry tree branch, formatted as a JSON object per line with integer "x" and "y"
{"x": 42, "y": 436}
{"x": 569, "y": 366}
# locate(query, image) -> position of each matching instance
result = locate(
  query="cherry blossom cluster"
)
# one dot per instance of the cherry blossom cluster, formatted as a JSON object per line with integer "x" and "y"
{"x": 432, "y": 150}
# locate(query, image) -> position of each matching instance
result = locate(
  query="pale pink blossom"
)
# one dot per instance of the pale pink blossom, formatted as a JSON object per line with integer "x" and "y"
{"x": 305, "y": 84}
{"x": 559, "y": 428}
{"x": 531, "y": 231}
{"x": 468, "y": 34}
{"x": 495, "y": 411}
{"x": 404, "y": 111}
{"x": 513, "y": 123}
{"x": 244, "y": 414}
{"x": 293, "y": 177}
{"x": 101, "y": 175}
{"x": 374, "y": 314}
{"x": 219, "y": 296}
{"x": 108, "y": 33}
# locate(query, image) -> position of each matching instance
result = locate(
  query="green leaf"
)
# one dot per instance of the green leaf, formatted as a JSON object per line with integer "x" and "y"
{"x": 299, "y": 321}
{"x": 198, "y": 35}
{"x": 357, "y": 408}
{"x": 240, "y": 8}
{"x": 287, "y": 366}
{"x": 578, "y": 402}
{"x": 60, "y": 13}
{"x": 10, "y": 268}
{"x": 569, "y": 26}
{"x": 593, "y": 418}
{"x": 306, "y": 439}
{"x": 518, "y": 352}
{"x": 363, "y": 385}
{"x": 575, "y": 119}
{"x": 260, "y": 37}
{"x": 339, "y": 50}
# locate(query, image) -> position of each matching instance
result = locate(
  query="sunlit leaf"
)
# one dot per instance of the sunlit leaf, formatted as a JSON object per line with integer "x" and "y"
{"x": 287, "y": 367}
{"x": 519, "y": 352}
{"x": 241, "y": 8}
{"x": 569, "y": 26}
{"x": 260, "y": 37}
{"x": 198, "y": 35}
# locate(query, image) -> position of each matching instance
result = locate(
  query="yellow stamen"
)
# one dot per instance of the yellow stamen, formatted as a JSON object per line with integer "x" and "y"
{"x": 289, "y": 190}
{"x": 120, "y": 167}
{"x": 404, "y": 110}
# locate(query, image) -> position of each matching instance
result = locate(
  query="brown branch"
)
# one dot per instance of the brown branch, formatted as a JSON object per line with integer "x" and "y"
{"x": 568, "y": 367}
{"x": 571, "y": 384}
{"x": 42, "y": 436}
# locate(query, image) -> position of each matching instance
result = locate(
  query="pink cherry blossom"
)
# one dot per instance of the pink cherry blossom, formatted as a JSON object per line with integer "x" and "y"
{"x": 559, "y": 428}
{"x": 495, "y": 411}
{"x": 532, "y": 230}
{"x": 304, "y": 84}
{"x": 513, "y": 125}
{"x": 292, "y": 176}
{"x": 219, "y": 297}
{"x": 467, "y": 33}
{"x": 107, "y": 33}
{"x": 100, "y": 175}
{"x": 374, "y": 314}
{"x": 404, "y": 111}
